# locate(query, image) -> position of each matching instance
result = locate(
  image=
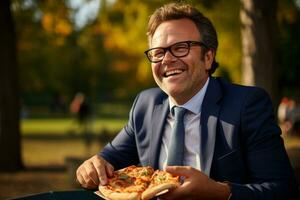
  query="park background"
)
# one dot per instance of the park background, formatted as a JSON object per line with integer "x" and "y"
{"x": 52, "y": 50}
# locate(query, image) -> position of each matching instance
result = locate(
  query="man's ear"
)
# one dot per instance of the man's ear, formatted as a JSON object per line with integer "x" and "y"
{"x": 209, "y": 58}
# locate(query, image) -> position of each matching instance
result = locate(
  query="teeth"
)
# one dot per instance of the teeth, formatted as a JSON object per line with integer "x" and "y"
{"x": 172, "y": 72}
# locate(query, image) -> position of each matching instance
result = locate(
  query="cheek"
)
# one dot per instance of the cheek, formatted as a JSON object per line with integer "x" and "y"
{"x": 196, "y": 68}
{"x": 155, "y": 69}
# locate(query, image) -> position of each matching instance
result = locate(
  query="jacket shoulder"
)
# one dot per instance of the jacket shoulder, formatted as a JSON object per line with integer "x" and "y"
{"x": 240, "y": 90}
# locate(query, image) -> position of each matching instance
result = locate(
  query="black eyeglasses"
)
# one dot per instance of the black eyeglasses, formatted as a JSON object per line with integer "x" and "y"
{"x": 179, "y": 49}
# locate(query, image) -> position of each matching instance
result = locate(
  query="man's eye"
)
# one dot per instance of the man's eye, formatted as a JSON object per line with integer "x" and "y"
{"x": 179, "y": 48}
{"x": 157, "y": 53}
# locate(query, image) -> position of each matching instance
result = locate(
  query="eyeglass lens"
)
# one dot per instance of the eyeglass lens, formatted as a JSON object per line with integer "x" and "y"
{"x": 180, "y": 49}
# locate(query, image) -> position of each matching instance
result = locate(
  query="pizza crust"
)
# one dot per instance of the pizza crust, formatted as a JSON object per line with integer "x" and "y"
{"x": 111, "y": 195}
{"x": 101, "y": 195}
{"x": 160, "y": 189}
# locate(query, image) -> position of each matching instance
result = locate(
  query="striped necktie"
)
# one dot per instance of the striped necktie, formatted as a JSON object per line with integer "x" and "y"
{"x": 176, "y": 146}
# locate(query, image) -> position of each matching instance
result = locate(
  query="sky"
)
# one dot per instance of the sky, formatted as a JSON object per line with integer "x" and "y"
{"x": 87, "y": 10}
{"x": 298, "y": 3}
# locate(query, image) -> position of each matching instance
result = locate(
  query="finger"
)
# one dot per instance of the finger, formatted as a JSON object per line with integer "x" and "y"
{"x": 176, "y": 193}
{"x": 82, "y": 182}
{"x": 102, "y": 176}
{"x": 109, "y": 169}
{"x": 92, "y": 173}
{"x": 85, "y": 180}
{"x": 172, "y": 194}
{"x": 186, "y": 171}
{"x": 80, "y": 179}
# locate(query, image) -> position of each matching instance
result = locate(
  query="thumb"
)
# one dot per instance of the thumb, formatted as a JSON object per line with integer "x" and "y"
{"x": 185, "y": 171}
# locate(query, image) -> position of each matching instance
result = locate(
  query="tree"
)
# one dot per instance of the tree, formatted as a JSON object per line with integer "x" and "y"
{"x": 10, "y": 151}
{"x": 289, "y": 31}
{"x": 258, "y": 29}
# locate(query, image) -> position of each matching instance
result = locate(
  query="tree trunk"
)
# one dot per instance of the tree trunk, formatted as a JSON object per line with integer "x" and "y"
{"x": 259, "y": 43}
{"x": 10, "y": 147}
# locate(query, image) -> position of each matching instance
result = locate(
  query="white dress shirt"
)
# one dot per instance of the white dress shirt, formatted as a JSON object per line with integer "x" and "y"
{"x": 192, "y": 131}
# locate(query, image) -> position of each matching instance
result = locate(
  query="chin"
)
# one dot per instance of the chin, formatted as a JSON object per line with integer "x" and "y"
{"x": 174, "y": 93}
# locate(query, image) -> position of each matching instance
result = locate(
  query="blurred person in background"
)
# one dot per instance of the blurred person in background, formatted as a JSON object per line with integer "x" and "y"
{"x": 231, "y": 148}
{"x": 81, "y": 108}
{"x": 282, "y": 109}
{"x": 289, "y": 116}
{"x": 293, "y": 117}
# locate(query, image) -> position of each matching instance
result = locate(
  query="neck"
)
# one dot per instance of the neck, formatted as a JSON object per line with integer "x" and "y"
{"x": 185, "y": 97}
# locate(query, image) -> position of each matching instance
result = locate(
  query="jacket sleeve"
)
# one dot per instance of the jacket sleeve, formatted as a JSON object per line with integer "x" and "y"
{"x": 269, "y": 170}
{"x": 122, "y": 151}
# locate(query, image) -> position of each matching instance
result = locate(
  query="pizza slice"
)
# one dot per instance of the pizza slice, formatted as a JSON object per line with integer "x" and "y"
{"x": 128, "y": 183}
{"x": 161, "y": 183}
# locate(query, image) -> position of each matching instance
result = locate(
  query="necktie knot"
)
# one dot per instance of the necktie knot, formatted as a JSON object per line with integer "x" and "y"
{"x": 179, "y": 112}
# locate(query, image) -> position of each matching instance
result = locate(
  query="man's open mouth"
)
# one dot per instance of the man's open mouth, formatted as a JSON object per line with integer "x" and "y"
{"x": 173, "y": 72}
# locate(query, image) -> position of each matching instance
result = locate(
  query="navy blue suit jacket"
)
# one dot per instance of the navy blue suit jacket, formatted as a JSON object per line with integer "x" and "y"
{"x": 240, "y": 141}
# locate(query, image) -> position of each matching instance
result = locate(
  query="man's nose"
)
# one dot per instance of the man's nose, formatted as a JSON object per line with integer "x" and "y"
{"x": 168, "y": 58}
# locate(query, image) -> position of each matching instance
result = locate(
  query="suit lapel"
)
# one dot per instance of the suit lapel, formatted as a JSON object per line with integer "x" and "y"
{"x": 208, "y": 124}
{"x": 158, "y": 120}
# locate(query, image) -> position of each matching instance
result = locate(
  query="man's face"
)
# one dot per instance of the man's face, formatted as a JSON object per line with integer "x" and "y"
{"x": 181, "y": 78}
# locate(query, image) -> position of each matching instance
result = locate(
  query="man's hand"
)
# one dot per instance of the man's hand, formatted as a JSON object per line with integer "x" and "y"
{"x": 93, "y": 172}
{"x": 196, "y": 185}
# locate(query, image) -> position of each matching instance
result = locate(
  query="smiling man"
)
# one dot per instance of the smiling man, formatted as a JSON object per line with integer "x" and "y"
{"x": 182, "y": 76}
{"x": 221, "y": 138}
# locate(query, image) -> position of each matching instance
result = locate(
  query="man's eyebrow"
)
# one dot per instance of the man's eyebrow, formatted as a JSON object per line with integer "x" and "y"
{"x": 153, "y": 40}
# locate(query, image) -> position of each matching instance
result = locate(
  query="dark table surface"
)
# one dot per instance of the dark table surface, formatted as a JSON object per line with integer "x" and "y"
{"x": 61, "y": 195}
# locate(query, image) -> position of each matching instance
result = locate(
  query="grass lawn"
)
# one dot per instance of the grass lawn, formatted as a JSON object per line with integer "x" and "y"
{"x": 47, "y": 153}
{"x": 49, "y": 141}
{"x": 68, "y": 126}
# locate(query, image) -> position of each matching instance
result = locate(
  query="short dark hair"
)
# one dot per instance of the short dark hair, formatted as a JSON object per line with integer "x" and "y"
{"x": 173, "y": 11}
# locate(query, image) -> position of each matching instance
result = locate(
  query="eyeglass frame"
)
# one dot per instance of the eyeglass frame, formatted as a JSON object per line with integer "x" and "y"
{"x": 169, "y": 48}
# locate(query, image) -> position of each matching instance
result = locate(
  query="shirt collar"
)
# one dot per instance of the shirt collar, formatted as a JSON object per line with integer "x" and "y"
{"x": 195, "y": 103}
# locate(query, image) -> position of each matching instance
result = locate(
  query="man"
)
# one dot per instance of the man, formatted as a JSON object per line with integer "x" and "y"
{"x": 232, "y": 146}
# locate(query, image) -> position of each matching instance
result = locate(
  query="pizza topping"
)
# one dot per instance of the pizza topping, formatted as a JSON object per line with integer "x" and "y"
{"x": 136, "y": 181}
{"x": 123, "y": 176}
{"x": 145, "y": 172}
{"x": 160, "y": 177}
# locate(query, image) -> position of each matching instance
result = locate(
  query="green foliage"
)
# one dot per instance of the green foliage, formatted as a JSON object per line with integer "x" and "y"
{"x": 105, "y": 59}
{"x": 289, "y": 49}
{"x": 224, "y": 14}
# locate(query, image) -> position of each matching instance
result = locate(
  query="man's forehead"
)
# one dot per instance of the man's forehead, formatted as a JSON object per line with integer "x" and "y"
{"x": 169, "y": 39}
{"x": 174, "y": 31}
{"x": 165, "y": 37}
